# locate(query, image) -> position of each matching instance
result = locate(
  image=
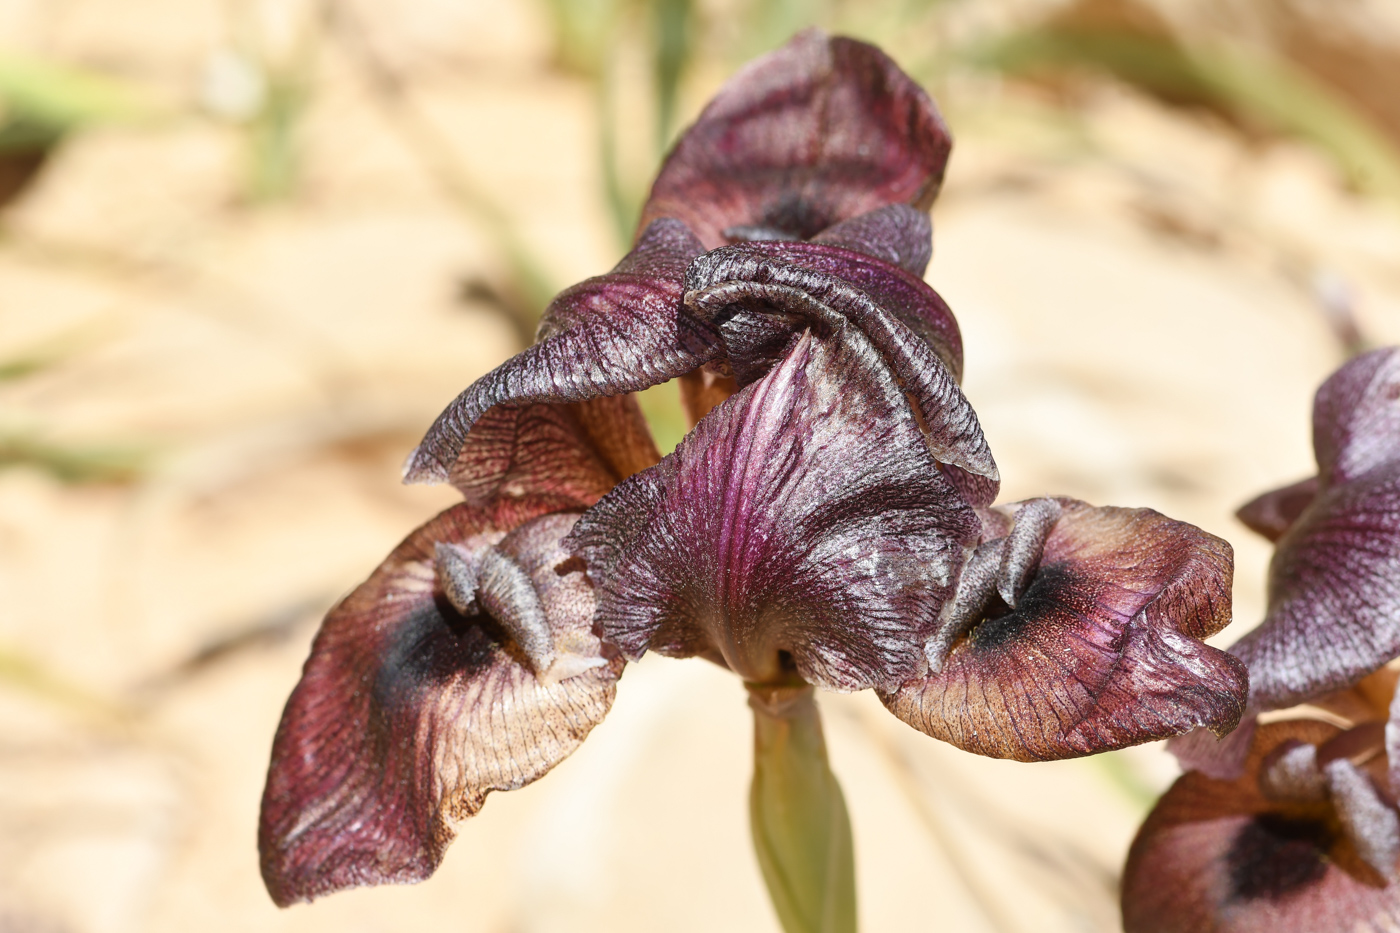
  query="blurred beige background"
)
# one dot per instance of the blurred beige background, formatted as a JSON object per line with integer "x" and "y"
{"x": 268, "y": 240}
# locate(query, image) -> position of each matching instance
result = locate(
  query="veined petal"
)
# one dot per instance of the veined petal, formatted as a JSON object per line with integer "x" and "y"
{"x": 762, "y": 294}
{"x": 410, "y": 710}
{"x": 816, "y": 132}
{"x": 1101, "y": 650}
{"x": 802, "y": 524}
{"x": 1356, "y": 417}
{"x": 573, "y": 452}
{"x": 1334, "y": 595}
{"x": 895, "y": 290}
{"x": 610, "y": 335}
{"x": 1225, "y": 856}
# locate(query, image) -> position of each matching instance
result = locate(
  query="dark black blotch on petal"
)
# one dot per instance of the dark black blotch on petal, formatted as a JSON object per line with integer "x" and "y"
{"x": 1001, "y": 626}
{"x": 1276, "y": 856}
{"x": 435, "y": 646}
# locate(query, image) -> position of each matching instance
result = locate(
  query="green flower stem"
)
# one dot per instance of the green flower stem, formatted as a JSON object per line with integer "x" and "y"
{"x": 801, "y": 831}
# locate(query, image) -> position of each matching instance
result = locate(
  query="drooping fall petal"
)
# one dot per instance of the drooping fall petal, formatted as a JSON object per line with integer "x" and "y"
{"x": 803, "y": 519}
{"x": 422, "y": 695}
{"x": 1334, "y": 595}
{"x": 609, "y": 335}
{"x": 762, "y": 294}
{"x": 1221, "y": 856}
{"x": 1102, "y": 649}
{"x": 819, "y": 131}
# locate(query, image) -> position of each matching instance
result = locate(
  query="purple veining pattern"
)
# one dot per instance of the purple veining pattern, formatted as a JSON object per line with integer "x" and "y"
{"x": 804, "y": 517}
{"x": 1101, "y": 650}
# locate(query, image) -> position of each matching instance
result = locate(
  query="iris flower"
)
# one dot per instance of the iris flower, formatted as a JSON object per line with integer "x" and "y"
{"x": 828, "y": 521}
{"x": 1290, "y": 824}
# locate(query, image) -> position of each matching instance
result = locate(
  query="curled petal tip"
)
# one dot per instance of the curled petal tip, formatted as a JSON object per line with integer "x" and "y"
{"x": 422, "y": 468}
{"x": 616, "y": 333}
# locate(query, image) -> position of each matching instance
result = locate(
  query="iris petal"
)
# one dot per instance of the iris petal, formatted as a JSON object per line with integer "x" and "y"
{"x": 763, "y": 294}
{"x": 616, "y": 333}
{"x": 1334, "y": 595}
{"x": 896, "y": 291}
{"x": 1222, "y": 856}
{"x": 822, "y": 130}
{"x": 1101, "y": 650}
{"x": 803, "y": 519}
{"x": 408, "y": 712}
{"x": 1356, "y": 417}
{"x": 549, "y": 450}
{"x": 898, "y": 234}
{"x": 1274, "y": 512}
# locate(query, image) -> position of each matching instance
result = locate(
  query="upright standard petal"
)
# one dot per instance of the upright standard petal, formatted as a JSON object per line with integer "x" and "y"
{"x": 1102, "y": 648}
{"x": 1334, "y": 594}
{"x": 1356, "y": 417}
{"x": 899, "y": 234}
{"x": 815, "y": 133}
{"x": 1297, "y": 844}
{"x": 801, "y": 526}
{"x": 761, "y": 295}
{"x": 1334, "y": 582}
{"x": 466, "y": 663}
{"x": 610, "y": 335}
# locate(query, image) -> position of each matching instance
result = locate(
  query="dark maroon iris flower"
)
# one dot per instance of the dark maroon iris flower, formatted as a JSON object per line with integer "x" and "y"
{"x": 1290, "y": 824}
{"x": 828, "y": 521}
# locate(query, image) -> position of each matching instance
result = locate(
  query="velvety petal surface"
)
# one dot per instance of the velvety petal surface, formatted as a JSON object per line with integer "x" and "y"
{"x": 1356, "y": 417}
{"x": 814, "y": 133}
{"x": 802, "y": 525}
{"x": 1102, "y": 648}
{"x": 421, "y": 696}
{"x": 762, "y": 294}
{"x": 1225, "y": 857}
{"x": 610, "y": 335}
{"x": 1334, "y": 595}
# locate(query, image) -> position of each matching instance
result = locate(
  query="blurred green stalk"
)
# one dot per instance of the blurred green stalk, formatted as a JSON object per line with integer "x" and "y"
{"x": 95, "y": 464}
{"x": 801, "y": 830}
{"x": 1250, "y": 86}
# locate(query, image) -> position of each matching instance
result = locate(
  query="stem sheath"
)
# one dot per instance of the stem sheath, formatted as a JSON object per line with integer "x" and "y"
{"x": 801, "y": 831}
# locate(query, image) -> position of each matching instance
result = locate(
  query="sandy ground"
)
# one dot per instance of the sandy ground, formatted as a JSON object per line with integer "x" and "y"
{"x": 1143, "y": 299}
